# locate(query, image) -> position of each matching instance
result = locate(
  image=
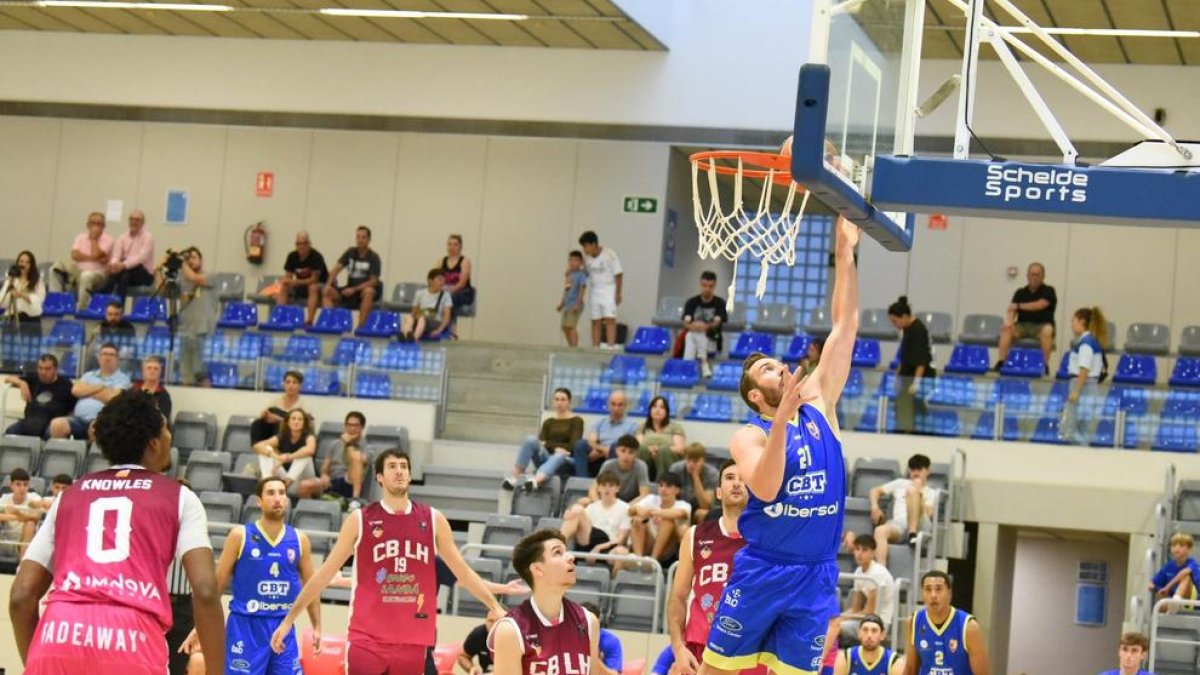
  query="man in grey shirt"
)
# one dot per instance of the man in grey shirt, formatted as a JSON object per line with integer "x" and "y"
{"x": 198, "y": 304}
{"x": 631, "y": 471}
{"x": 343, "y": 464}
{"x": 698, "y": 480}
{"x": 599, "y": 444}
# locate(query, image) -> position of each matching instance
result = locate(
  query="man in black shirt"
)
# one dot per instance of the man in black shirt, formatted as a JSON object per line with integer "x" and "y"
{"x": 362, "y": 279}
{"x": 475, "y": 647}
{"x": 304, "y": 273}
{"x": 1030, "y": 315}
{"x": 46, "y": 395}
{"x": 703, "y": 316}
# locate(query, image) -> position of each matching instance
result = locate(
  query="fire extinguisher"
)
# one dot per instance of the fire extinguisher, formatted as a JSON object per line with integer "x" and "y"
{"x": 256, "y": 242}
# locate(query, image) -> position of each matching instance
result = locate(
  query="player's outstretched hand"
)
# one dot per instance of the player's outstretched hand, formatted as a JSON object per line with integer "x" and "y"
{"x": 685, "y": 663}
{"x": 279, "y": 636}
{"x": 847, "y": 232}
{"x": 496, "y": 614}
{"x": 316, "y": 645}
{"x": 789, "y": 403}
{"x": 191, "y": 644}
{"x": 515, "y": 587}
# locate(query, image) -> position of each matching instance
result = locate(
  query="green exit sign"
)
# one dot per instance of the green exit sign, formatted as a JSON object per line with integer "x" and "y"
{"x": 641, "y": 205}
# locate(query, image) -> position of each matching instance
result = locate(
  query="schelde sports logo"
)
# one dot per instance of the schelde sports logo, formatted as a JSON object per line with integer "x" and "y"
{"x": 1019, "y": 183}
{"x": 793, "y": 511}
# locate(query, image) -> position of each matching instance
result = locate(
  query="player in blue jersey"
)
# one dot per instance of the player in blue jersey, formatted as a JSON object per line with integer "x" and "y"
{"x": 944, "y": 640}
{"x": 870, "y": 657}
{"x": 267, "y": 562}
{"x": 782, "y": 593}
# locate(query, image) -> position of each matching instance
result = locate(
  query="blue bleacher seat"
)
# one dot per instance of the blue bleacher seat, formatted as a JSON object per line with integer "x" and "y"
{"x": 642, "y": 408}
{"x": 284, "y": 318}
{"x": 1105, "y": 434}
{"x": 854, "y": 385}
{"x": 1136, "y": 369}
{"x": 1135, "y": 401}
{"x": 595, "y": 401}
{"x": 1186, "y": 372}
{"x": 727, "y": 376}
{"x": 985, "y": 427}
{"x": 1064, "y": 372}
{"x": 239, "y": 315}
{"x": 69, "y": 364}
{"x": 1017, "y": 395}
{"x": 750, "y": 342}
{"x": 940, "y": 423}
{"x": 399, "y": 356}
{"x": 682, "y": 373}
{"x": 380, "y": 324}
{"x": 250, "y": 346}
{"x": 797, "y": 348}
{"x": 866, "y": 353}
{"x": 56, "y": 304}
{"x": 953, "y": 390}
{"x": 332, "y": 321}
{"x": 148, "y": 309}
{"x": 223, "y": 375}
{"x": 1181, "y": 404}
{"x": 273, "y": 376}
{"x": 95, "y": 309}
{"x": 649, "y": 340}
{"x": 321, "y": 382}
{"x": 301, "y": 348}
{"x": 624, "y": 370}
{"x": 712, "y": 408}
{"x": 1056, "y": 398}
{"x": 1174, "y": 437}
{"x": 1047, "y": 431}
{"x": 970, "y": 359}
{"x": 373, "y": 385}
{"x": 65, "y": 333}
{"x": 887, "y": 385}
{"x": 868, "y": 420}
{"x": 351, "y": 351}
{"x": 1024, "y": 363}
{"x": 156, "y": 342}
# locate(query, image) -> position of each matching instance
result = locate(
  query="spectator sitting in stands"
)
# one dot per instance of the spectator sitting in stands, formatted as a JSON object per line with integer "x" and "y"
{"x": 1131, "y": 652}
{"x": 607, "y": 277}
{"x": 599, "y": 525}
{"x": 267, "y": 424}
{"x": 661, "y": 440}
{"x": 601, "y": 442}
{"x": 612, "y": 657}
{"x": 432, "y": 306}
{"x": 571, "y": 304}
{"x": 24, "y": 293}
{"x": 630, "y": 471}
{"x": 475, "y": 648}
{"x": 703, "y": 316}
{"x": 304, "y": 274}
{"x": 60, "y": 482}
{"x": 198, "y": 308}
{"x": 812, "y": 355}
{"x": 19, "y": 514}
{"x": 344, "y": 464}
{"x": 1030, "y": 315}
{"x": 289, "y": 454}
{"x": 152, "y": 382}
{"x": 659, "y": 521}
{"x": 867, "y": 598}
{"x": 87, "y": 267}
{"x": 1178, "y": 576}
{"x": 93, "y": 390}
{"x": 698, "y": 479}
{"x": 114, "y": 328}
{"x": 132, "y": 261}
{"x": 456, "y": 273}
{"x": 913, "y": 502}
{"x": 916, "y": 362}
{"x": 1086, "y": 367}
{"x": 364, "y": 268}
{"x": 47, "y": 395}
{"x": 550, "y": 450}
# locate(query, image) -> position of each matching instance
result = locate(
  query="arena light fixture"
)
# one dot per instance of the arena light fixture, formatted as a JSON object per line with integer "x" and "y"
{"x": 408, "y": 14}
{"x": 102, "y": 4}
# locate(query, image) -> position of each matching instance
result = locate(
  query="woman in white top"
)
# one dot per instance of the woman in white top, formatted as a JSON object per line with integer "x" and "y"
{"x": 24, "y": 292}
{"x": 1084, "y": 364}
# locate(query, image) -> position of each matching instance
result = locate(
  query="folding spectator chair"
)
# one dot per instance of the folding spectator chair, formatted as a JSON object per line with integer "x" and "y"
{"x": 1171, "y": 437}
{"x": 1186, "y": 372}
{"x": 775, "y": 317}
{"x": 1024, "y": 363}
{"x": 969, "y": 359}
{"x": 1047, "y": 431}
{"x": 623, "y": 369}
{"x": 318, "y": 515}
{"x": 1148, "y": 338}
{"x": 19, "y": 452}
{"x": 749, "y": 342}
{"x": 726, "y": 376}
{"x": 237, "y": 433}
{"x": 632, "y": 613}
{"x": 953, "y": 390}
{"x": 194, "y": 431}
{"x": 148, "y": 309}
{"x": 985, "y": 427}
{"x": 252, "y": 511}
{"x": 867, "y": 353}
{"x": 264, "y": 281}
{"x": 1189, "y": 341}
{"x": 205, "y": 469}
{"x": 489, "y": 569}
{"x": 981, "y": 329}
{"x": 332, "y": 321}
{"x": 680, "y": 373}
{"x": 871, "y": 472}
{"x": 94, "y": 461}
{"x": 874, "y": 323}
{"x": 940, "y": 325}
{"x": 238, "y": 315}
{"x": 61, "y": 455}
{"x": 819, "y": 323}
{"x": 284, "y": 318}
{"x": 797, "y": 348}
{"x": 501, "y": 530}
{"x": 1136, "y": 369}
{"x": 649, "y": 340}
{"x": 594, "y": 401}
{"x": 387, "y": 435}
{"x": 591, "y": 584}
{"x": 403, "y": 296}
{"x": 540, "y": 502}
{"x": 669, "y": 313}
{"x": 711, "y": 408}
{"x": 858, "y": 516}
{"x": 380, "y": 323}
{"x": 548, "y": 523}
{"x": 221, "y": 507}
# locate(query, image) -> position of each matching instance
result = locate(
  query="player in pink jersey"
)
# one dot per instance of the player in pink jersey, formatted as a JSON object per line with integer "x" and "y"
{"x": 393, "y": 601}
{"x": 705, "y": 560}
{"x": 107, "y": 544}
{"x": 547, "y": 634}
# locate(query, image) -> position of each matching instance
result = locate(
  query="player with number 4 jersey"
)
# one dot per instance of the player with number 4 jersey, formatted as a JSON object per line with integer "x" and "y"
{"x": 107, "y": 544}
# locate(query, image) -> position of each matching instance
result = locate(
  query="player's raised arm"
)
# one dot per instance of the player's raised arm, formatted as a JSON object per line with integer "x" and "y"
{"x": 836, "y": 356}
{"x": 471, "y": 581}
{"x": 685, "y": 662}
{"x": 342, "y": 550}
{"x": 762, "y": 459}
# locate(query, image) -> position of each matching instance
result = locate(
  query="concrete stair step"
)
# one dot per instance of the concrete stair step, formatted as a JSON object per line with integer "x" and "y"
{"x": 461, "y": 477}
{"x": 496, "y": 458}
{"x": 448, "y": 498}
{"x": 490, "y": 427}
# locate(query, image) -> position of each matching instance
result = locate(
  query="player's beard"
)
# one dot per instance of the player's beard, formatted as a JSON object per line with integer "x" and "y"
{"x": 772, "y": 398}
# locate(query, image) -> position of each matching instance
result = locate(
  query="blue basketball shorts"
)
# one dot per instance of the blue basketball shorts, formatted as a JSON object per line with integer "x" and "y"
{"x": 773, "y": 614}
{"x": 248, "y": 647}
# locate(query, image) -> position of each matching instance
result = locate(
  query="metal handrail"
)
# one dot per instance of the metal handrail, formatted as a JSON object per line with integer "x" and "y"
{"x": 656, "y": 614}
{"x": 1160, "y": 607}
{"x": 1137, "y": 609}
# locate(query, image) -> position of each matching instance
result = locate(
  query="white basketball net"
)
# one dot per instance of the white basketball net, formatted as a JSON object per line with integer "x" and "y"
{"x": 770, "y": 237}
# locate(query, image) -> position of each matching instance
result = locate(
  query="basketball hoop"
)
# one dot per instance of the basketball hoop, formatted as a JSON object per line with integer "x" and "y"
{"x": 730, "y": 233}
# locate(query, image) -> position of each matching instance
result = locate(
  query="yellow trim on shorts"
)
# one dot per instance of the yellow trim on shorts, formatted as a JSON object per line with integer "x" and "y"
{"x": 748, "y": 661}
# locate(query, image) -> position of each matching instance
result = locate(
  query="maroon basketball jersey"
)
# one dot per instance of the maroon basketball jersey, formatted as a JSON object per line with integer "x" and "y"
{"x": 114, "y": 539}
{"x": 712, "y": 561}
{"x": 394, "y": 598}
{"x": 549, "y": 648}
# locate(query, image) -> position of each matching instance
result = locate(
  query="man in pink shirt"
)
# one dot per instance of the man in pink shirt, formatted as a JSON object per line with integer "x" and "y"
{"x": 87, "y": 268}
{"x": 132, "y": 260}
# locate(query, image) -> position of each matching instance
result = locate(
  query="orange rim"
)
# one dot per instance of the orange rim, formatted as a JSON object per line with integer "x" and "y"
{"x": 755, "y": 164}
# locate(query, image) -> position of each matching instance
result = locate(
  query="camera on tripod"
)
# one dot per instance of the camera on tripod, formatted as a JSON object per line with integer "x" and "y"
{"x": 174, "y": 263}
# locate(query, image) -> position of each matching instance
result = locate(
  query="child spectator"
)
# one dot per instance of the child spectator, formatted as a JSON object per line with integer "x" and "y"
{"x": 19, "y": 514}
{"x": 604, "y": 270}
{"x": 659, "y": 521}
{"x": 60, "y": 483}
{"x": 1177, "y": 578}
{"x": 571, "y": 304}
{"x": 630, "y": 471}
{"x": 430, "y": 317}
{"x": 913, "y": 502}
{"x": 602, "y": 525}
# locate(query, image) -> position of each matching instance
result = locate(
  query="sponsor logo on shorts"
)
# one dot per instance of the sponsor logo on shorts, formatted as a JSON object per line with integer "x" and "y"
{"x": 729, "y": 626}
{"x": 733, "y": 597}
{"x": 237, "y": 647}
{"x": 793, "y": 511}
{"x": 239, "y": 665}
{"x": 255, "y": 606}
